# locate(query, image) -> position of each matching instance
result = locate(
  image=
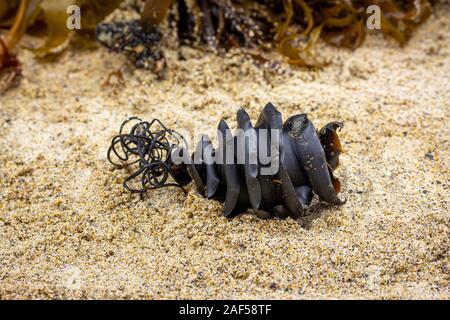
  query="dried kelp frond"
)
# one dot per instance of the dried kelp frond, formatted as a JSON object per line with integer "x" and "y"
{"x": 19, "y": 15}
{"x": 345, "y": 21}
{"x": 226, "y": 24}
{"x": 218, "y": 24}
{"x": 58, "y": 33}
{"x": 54, "y": 14}
{"x": 93, "y": 12}
{"x": 155, "y": 11}
{"x": 399, "y": 22}
{"x": 287, "y": 24}
{"x": 17, "y": 28}
{"x": 344, "y": 25}
{"x": 9, "y": 65}
{"x": 56, "y": 18}
{"x": 9, "y": 68}
{"x": 7, "y": 12}
{"x": 291, "y": 26}
{"x": 298, "y": 56}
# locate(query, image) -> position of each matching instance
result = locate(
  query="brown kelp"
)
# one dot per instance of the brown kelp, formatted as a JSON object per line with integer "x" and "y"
{"x": 290, "y": 26}
{"x": 19, "y": 15}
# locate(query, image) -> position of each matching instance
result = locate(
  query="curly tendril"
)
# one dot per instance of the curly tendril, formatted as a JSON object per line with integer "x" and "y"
{"x": 147, "y": 147}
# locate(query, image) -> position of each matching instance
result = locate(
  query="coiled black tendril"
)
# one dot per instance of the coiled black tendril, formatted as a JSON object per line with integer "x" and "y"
{"x": 148, "y": 147}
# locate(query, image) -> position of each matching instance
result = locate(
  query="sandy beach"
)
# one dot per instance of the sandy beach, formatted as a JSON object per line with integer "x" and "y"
{"x": 69, "y": 230}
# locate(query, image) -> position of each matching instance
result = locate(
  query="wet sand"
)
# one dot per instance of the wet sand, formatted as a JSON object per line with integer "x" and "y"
{"x": 69, "y": 230}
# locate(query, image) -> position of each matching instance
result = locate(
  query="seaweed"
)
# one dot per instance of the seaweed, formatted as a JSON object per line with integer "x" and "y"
{"x": 292, "y": 27}
{"x": 53, "y": 14}
{"x": 9, "y": 64}
{"x": 155, "y": 11}
{"x": 345, "y": 23}
{"x": 19, "y": 15}
{"x": 9, "y": 67}
{"x": 131, "y": 39}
